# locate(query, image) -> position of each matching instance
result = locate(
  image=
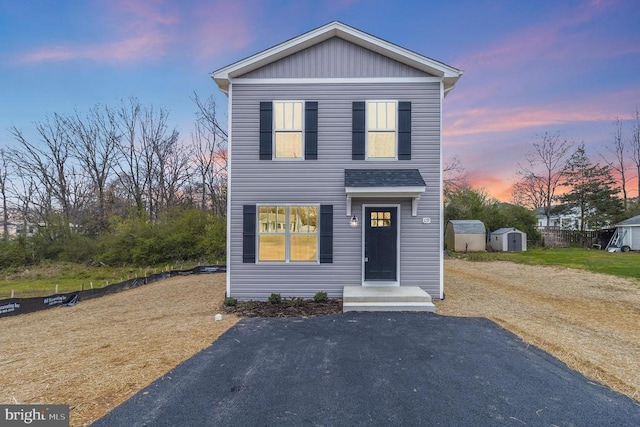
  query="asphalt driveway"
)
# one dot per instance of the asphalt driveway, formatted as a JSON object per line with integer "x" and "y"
{"x": 387, "y": 369}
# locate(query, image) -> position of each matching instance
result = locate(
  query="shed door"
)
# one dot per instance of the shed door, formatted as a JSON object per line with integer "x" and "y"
{"x": 380, "y": 243}
{"x": 514, "y": 242}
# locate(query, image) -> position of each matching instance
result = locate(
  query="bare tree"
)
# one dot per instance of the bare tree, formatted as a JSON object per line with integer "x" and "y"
{"x": 161, "y": 153}
{"x": 24, "y": 191}
{"x": 153, "y": 166}
{"x": 94, "y": 141}
{"x": 48, "y": 161}
{"x": 618, "y": 149}
{"x": 4, "y": 177}
{"x": 209, "y": 142}
{"x": 178, "y": 174}
{"x": 454, "y": 176}
{"x": 543, "y": 172}
{"x": 130, "y": 170}
{"x": 528, "y": 193}
{"x": 635, "y": 147}
{"x": 207, "y": 114}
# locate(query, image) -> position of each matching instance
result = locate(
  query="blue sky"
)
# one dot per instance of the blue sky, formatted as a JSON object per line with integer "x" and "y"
{"x": 530, "y": 66}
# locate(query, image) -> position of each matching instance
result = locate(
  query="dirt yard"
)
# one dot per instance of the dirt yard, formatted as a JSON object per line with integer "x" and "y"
{"x": 99, "y": 353}
{"x": 589, "y": 321}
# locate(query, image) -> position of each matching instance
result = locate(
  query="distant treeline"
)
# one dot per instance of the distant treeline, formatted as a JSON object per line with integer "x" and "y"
{"x": 116, "y": 184}
{"x": 177, "y": 235}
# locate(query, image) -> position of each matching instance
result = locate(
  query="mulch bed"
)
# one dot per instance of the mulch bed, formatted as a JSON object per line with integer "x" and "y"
{"x": 306, "y": 308}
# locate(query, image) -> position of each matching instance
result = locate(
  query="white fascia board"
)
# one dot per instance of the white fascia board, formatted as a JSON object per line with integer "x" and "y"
{"x": 409, "y": 191}
{"x": 345, "y": 32}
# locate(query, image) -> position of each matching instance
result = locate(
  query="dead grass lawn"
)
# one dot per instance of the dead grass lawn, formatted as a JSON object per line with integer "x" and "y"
{"x": 99, "y": 353}
{"x": 589, "y": 321}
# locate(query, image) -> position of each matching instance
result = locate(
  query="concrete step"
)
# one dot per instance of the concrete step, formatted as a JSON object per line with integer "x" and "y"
{"x": 386, "y": 298}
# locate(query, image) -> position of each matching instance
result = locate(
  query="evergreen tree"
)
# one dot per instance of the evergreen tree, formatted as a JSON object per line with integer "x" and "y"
{"x": 592, "y": 191}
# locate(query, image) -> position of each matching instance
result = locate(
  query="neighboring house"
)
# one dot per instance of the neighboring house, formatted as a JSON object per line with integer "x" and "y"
{"x": 15, "y": 228}
{"x": 335, "y": 166}
{"x": 508, "y": 239}
{"x": 562, "y": 219}
{"x": 12, "y": 228}
{"x": 627, "y": 235}
{"x": 466, "y": 235}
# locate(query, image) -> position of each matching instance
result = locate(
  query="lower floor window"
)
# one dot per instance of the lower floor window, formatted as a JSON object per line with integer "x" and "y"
{"x": 288, "y": 233}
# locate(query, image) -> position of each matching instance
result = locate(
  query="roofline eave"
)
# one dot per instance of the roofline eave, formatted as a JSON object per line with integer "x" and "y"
{"x": 449, "y": 74}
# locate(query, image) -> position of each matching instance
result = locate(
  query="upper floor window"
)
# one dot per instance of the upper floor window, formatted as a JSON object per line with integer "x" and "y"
{"x": 381, "y": 129}
{"x": 288, "y": 129}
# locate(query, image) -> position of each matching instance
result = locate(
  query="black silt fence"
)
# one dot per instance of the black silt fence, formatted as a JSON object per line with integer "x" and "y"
{"x": 15, "y": 306}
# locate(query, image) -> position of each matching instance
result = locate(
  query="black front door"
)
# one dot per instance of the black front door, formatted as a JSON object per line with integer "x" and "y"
{"x": 380, "y": 243}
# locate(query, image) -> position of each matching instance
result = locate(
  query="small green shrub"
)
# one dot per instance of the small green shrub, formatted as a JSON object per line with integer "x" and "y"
{"x": 275, "y": 298}
{"x": 295, "y": 301}
{"x": 230, "y": 302}
{"x": 321, "y": 297}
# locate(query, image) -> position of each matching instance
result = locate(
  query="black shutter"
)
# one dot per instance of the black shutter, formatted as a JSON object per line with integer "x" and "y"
{"x": 404, "y": 131}
{"x": 326, "y": 234}
{"x": 311, "y": 130}
{"x": 358, "y": 131}
{"x": 266, "y": 130}
{"x": 249, "y": 233}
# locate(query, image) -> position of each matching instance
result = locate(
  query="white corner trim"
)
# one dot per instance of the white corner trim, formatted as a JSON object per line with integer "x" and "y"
{"x": 229, "y": 144}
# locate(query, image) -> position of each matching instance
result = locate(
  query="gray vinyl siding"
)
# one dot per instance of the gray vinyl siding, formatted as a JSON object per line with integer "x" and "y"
{"x": 332, "y": 58}
{"x": 321, "y": 181}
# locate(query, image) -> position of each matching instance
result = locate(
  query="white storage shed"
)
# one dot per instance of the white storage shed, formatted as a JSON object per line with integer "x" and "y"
{"x": 508, "y": 239}
{"x": 627, "y": 235}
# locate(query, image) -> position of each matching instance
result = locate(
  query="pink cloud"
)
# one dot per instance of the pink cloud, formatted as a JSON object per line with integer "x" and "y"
{"x": 143, "y": 46}
{"x": 563, "y": 40}
{"x": 134, "y": 31}
{"x": 152, "y": 29}
{"x": 220, "y": 26}
{"x": 492, "y": 119}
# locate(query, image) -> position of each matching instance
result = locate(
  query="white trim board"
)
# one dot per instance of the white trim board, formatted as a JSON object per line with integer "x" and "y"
{"x": 229, "y": 144}
{"x": 337, "y": 80}
{"x": 412, "y": 192}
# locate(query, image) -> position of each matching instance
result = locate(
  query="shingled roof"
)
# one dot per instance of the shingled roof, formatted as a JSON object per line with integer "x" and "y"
{"x": 633, "y": 221}
{"x": 468, "y": 226}
{"x": 383, "y": 178}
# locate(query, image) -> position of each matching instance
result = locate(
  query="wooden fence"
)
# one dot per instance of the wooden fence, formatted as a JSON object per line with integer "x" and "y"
{"x": 554, "y": 237}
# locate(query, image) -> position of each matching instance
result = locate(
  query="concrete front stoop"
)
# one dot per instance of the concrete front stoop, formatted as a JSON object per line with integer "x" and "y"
{"x": 386, "y": 298}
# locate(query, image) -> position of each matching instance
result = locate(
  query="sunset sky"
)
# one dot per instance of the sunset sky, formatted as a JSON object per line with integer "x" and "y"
{"x": 530, "y": 66}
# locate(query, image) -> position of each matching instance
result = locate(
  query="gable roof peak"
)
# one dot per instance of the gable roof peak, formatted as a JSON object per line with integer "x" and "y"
{"x": 449, "y": 75}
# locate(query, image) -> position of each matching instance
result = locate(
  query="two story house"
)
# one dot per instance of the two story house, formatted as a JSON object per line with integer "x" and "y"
{"x": 335, "y": 179}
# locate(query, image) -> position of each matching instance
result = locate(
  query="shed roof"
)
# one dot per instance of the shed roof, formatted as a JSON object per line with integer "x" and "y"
{"x": 468, "y": 226}
{"x": 449, "y": 74}
{"x": 505, "y": 230}
{"x": 631, "y": 222}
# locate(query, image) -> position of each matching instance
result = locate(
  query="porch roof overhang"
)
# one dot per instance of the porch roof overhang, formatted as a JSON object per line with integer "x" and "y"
{"x": 384, "y": 183}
